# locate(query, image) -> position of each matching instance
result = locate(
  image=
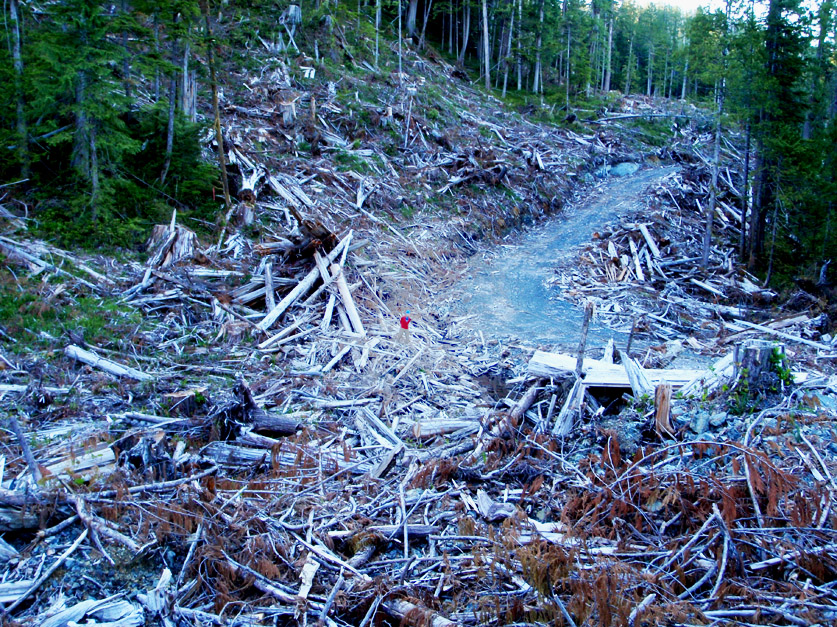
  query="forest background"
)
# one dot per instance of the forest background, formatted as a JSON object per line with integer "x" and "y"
{"x": 107, "y": 109}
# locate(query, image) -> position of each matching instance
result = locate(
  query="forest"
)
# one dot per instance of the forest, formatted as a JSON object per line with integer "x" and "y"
{"x": 107, "y": 102}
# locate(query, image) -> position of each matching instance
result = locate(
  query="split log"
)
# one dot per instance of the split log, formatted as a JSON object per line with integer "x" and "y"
{"x": 640, "y": 276}
{"x": 566, "y": 417}
{"x": 346, "y": 296}
{"x": 648, "y": 240}
{"x": 173, "y": 243}
{"x": 662, "y": 405}
{"x": 386, "y": 463}
{"x": 640, "y": 384}
{"x": 302, "y": 288}
{"x": 411, "y": 614}
{"x": 783, "y": 335}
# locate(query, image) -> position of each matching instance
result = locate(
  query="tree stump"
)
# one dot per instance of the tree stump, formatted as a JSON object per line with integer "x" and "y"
{"x": 755, "y": 363}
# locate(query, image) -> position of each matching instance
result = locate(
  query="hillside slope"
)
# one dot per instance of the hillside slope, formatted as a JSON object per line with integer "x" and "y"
{"x": 233, "y": 432}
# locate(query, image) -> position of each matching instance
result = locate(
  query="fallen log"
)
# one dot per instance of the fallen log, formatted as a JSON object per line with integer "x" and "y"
{"x": 111, "y": 367}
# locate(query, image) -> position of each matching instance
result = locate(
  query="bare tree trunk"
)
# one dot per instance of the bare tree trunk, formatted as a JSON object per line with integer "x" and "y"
{"x": 757, "y": 212}
{"x": 593, "y": 48}
{"x": 713, "y": 191}
{"x": 185, "y": 104}
{"x": 537, "y": 87}
{"x": 377, "y": 28}
{"x": 169, "y": 129}
{"x": 519, "y": 46}
{"x": 126, "y": 64}
{"x": 685, "y": 75}
{"x": 609, "y": 56}
{"x": 650, "y": 69}
{"x": 630, "y": 63}
{"x": 508, "y": 52}
{"x": 450, "y": 28}
{"x": 485, "y": 53}
{"x": 81, "y": 143}
{"x": 17, "y": 59}
{"x": 412, "y": 10}
{"x": 427, "y": 8}
{"x": 156, "y": 28}
{"x": 569, "y": 64}
{"x": 219, "y": 136}
{"x": 94, "y": 171}
{"x": 400, "y": 42}
{"x": 466, "y": 31}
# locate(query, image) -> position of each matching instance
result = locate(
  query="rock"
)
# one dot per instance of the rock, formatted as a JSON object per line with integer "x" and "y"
{"x": 678, "y": 412}
{"x": 827, "y": 401}
{"x": 717, "y": 419}
{"x": 624, "y": 169}
{"x": 699, "y": 422}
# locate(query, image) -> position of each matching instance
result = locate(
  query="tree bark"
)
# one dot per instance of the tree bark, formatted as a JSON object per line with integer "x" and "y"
{"x": 169, "y": 129}
{"x": 608, "y": 70}
{"x": 685, "y": 74}
{"x": 412, "y": 11}
{"x": 713, "y": 191}
{"x": 650, "y": 70}
{"x": 485, "y": 54}
{"x": 126, "y": 60}
{"x": 17, "y": 60}
{"x": 536, "y": 87}
{"x": 466, "y": 31}
{"x": 427, "y": 8}
{"x": 187, "y": 103}
{"x": 219, "y": 136}
{"x": 81, "y": 141}
{"x": 508, "y": 52}
{"x": 519, "y": 45}
{"x": 757, "y": 212}
{"x": 377, "y": 28}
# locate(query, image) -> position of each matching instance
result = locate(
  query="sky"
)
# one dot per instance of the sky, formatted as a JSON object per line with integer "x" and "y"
{"x": 688, "y": 6}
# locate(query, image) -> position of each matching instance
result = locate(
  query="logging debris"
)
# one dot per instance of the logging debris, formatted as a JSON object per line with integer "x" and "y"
{"x": 259, "y": 450}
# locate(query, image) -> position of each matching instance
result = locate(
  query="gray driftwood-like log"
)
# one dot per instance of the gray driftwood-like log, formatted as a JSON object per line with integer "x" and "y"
{"x": 111, "y": 367}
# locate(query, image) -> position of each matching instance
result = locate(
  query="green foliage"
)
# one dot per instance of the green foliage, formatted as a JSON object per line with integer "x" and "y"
{"x": 780, "y": 364}
{"x": 37, "y": 314}
{"x": 740, "y": 401}
{"x": 131, "y": 198}
{"x": 96, "y": 152}
{"x": 348, "y": 160}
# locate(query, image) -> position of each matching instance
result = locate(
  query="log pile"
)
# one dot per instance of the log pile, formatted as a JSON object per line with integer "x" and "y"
{"x": 644, "y": 275}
